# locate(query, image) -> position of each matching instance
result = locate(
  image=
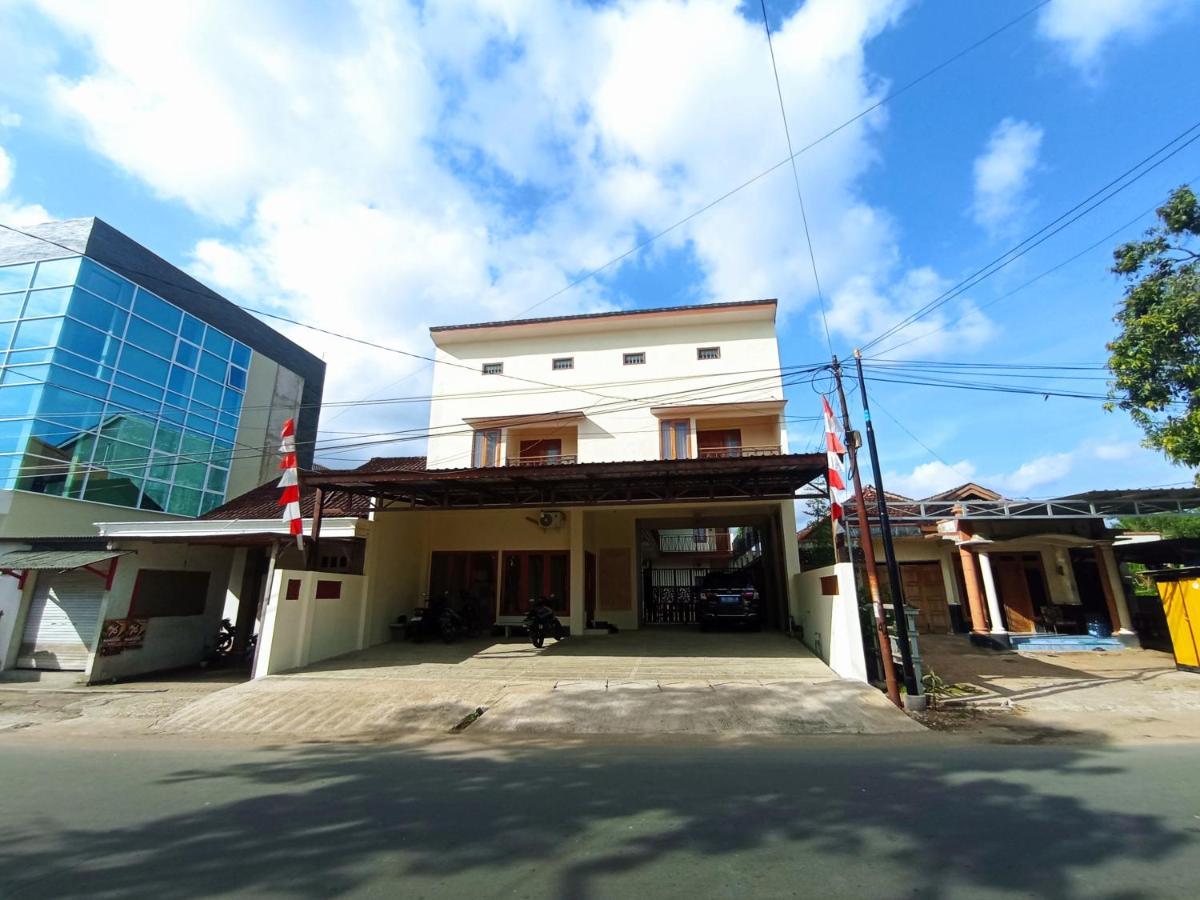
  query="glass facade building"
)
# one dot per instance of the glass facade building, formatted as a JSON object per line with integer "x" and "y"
{"x": 110, "y": 393}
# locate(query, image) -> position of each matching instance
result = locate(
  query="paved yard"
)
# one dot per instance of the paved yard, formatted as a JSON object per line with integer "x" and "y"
{"x": 1127, "y": 695}
{"x": 668, "y": 681}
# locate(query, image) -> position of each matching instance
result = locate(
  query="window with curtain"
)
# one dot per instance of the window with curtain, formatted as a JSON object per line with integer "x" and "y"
{"x": 675, "y": 438}
{"x": 486, "y": 451}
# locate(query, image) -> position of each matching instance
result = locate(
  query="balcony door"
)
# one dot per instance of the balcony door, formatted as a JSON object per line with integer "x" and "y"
{"x": 541, "y": 452}
{"x": 532, "y": 574}
{"x": 720, "y": 442}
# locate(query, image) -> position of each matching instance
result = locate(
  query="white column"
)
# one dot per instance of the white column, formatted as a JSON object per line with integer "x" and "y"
{"x": 989, "y": 590}
{"x": 1113, "y": 573}
{"x": 578, "y": 618}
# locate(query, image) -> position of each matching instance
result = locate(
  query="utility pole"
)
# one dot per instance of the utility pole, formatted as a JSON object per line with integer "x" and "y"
{"x": 911, "y": 685}
{"x": 868, "y": 547}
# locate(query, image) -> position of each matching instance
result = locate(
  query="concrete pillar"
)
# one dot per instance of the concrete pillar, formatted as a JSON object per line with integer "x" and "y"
{"x": 974, "y": 600}
{"x": 993, "y": 599}
{"x": 1114, "y": 590}
{"x": 578, "y": 617}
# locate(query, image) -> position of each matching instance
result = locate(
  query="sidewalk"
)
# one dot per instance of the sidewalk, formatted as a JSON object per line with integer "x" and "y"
{"x": 1123, "y": 696}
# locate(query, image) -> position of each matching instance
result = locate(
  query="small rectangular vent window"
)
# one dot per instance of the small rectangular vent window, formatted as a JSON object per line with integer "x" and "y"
{"x": 563, "y": 363}
{"x": 493, "y": 368}
{"x": 635, "y": 359}
{"x": 708, "y": 353}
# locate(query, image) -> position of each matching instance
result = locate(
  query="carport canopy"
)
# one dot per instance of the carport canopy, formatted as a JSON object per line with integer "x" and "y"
{"x": 55, "y": 560}
{"x": 581, "y": 484}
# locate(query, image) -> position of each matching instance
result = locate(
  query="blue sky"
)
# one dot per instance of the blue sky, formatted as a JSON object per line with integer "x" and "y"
{"x": 382, "y": 167}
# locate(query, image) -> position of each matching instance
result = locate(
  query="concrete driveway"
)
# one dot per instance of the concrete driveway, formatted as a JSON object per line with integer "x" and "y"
{"x": 649, "y": 682}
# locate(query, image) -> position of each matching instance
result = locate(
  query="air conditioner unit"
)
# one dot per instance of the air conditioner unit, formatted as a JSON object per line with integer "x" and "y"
{"x": 551, "y": 518}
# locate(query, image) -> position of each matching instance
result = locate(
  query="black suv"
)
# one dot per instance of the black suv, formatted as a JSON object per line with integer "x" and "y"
{"x": 728, "y": 599}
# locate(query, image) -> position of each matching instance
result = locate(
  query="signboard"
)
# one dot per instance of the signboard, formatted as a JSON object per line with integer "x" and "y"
{"x": 122, "y": 634}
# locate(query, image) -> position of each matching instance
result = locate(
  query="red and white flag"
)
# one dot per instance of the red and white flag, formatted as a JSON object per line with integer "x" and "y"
{"x": 834, "y": 451}
{"x": 290, "y": 482}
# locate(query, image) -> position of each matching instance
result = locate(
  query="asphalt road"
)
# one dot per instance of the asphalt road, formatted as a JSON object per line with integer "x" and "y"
{"x": 828, "y": 817}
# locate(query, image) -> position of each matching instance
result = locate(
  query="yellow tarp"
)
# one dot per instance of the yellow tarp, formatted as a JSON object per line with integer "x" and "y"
{"x": 1181, "y": 603}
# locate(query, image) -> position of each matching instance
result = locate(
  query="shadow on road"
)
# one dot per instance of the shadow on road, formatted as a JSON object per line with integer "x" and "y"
{"x": 314, "y": 821}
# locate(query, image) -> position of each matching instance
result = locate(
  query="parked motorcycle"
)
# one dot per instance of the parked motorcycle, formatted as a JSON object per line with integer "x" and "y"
{"x": 223, "y": 647}
{"x": 541, "y": 622}
{"x": 437, "y": 620}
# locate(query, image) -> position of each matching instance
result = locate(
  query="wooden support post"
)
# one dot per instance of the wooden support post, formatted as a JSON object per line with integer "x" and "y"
{"x": 975, "y": 601}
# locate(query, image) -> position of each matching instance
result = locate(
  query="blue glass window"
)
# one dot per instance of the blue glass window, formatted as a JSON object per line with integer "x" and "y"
{"x": 210, "y": 501}
{"x": 90, "y": 387}
{"x": 175, "y": 399}
{"x": 217, "y": 343}
{"x": 24, "y": 374}
{"x": 154, "y": 496}
{"x": 57, "y": 272}
{"x": 19, "y": 357}
{"x": 231, "y": 402}
{"x": 145, "y": 388}
{"x": 237, "y": 378}
{"x": 68, "y": 407}
{"x": 196, "y": 447}
{"x": 226, "y": 432}
{"x": 212, "y": 367}
{"x": 144, "y": 366}
{"x": 192, "y": 329}
{"x": 10, "y": 306}
{"x": 137, "y": 430}
{"x": 240, "y": 355}
{"x": 181, "y": 380}
{"x": 171, "y": 414}
{"x": 85, "y": 341}
{"x": 18, "y": 400}
{"x": 37, "y": 333}
{"x": 105, "y": 284}
{"x": 184, "y": 502}
{"x": 13, "y": 436}
{"x": 187, "y": 355}
{"x": 222, "y": 455}
{"x": 52, "y": 302}
{"x": 150, "y": 337}
{"x": 79, "y": 364}
{"x": 166, "y": 438}
{"x": 133, "y": 401}
{"x": 162, "y": 467}
{"x": 199, "y": 423}
{"x": 15, "y": 278}
{"x": 157, "y": 311}
{"x": 207, "y": 392}
{"x": 97, "y": 313}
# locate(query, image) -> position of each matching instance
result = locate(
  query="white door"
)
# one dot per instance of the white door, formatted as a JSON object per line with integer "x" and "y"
{"x": 63, "y": 621}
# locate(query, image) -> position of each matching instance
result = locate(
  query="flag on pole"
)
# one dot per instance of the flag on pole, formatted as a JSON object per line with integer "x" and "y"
{"x": 290, "y": 482}
{"x": 834, "y": 451}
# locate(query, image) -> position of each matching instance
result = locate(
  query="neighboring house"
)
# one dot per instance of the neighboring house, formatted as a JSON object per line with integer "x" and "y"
{"x": 605, "y": 462}
{"x": 127, "y": 390}
{"x": 1014, "y": 572}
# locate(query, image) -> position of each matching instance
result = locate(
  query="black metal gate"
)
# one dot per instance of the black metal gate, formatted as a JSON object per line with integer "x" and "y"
{"x": 669, "y": 595}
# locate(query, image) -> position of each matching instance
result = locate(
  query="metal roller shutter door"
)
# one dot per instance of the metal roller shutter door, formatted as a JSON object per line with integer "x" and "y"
{"x": 63, "y": 621}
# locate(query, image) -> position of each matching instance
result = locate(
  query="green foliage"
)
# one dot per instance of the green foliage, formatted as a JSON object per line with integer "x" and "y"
{"x": 1170, "y": 525}
{"x": 1155, "y": 360}
{"x": 817, "y": 550}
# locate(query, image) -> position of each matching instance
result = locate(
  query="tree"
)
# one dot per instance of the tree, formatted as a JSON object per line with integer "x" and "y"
{"x": 817, "y": 549}
{"x": 1155, "y": 360}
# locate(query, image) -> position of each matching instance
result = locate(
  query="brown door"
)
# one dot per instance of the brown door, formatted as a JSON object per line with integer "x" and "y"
{"x": 925, "y": 591}
{"x": 589, "y": 587}
{"x": 1013, "y": 587}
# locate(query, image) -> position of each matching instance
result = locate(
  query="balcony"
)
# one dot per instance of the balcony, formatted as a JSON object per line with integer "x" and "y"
{"x": 736, "y": 452}
{"x": 557, "y": 459}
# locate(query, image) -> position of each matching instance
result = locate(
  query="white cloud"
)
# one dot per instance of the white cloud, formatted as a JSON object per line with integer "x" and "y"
{"x": 1086, "y": 27}
{"x": 929, "y": 478}
{"x": 12, "y": 210}
{"x": 1002, "y": 173}
{"x": 386, "y": 169}
{"x": 1038, "y": 472}
{"x": 1115, "y": 452}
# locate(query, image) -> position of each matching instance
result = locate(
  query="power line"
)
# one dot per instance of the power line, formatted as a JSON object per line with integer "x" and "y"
{"x": 1046, "y": 231}
{"x": 812, "y": 258}
{"x": 887, "y": 98}
{"x": 1066, "y": 262}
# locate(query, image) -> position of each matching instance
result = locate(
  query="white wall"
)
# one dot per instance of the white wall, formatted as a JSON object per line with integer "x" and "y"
{"x": 305, "y": 630}
{"x": 10, "y": 610}
{"x": 610, "y": 432}
{"x": 831, "y": 623}
{"x": 171, "y": 641}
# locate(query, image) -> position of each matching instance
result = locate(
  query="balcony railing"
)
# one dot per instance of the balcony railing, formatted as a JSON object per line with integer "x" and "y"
{"x": 736, "y": 452}
{"x": 686, "y": 543}
{"x": 559, "y": 459}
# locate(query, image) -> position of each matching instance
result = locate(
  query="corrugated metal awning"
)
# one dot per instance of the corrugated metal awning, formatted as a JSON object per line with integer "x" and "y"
{"x": 55, "y": 560}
